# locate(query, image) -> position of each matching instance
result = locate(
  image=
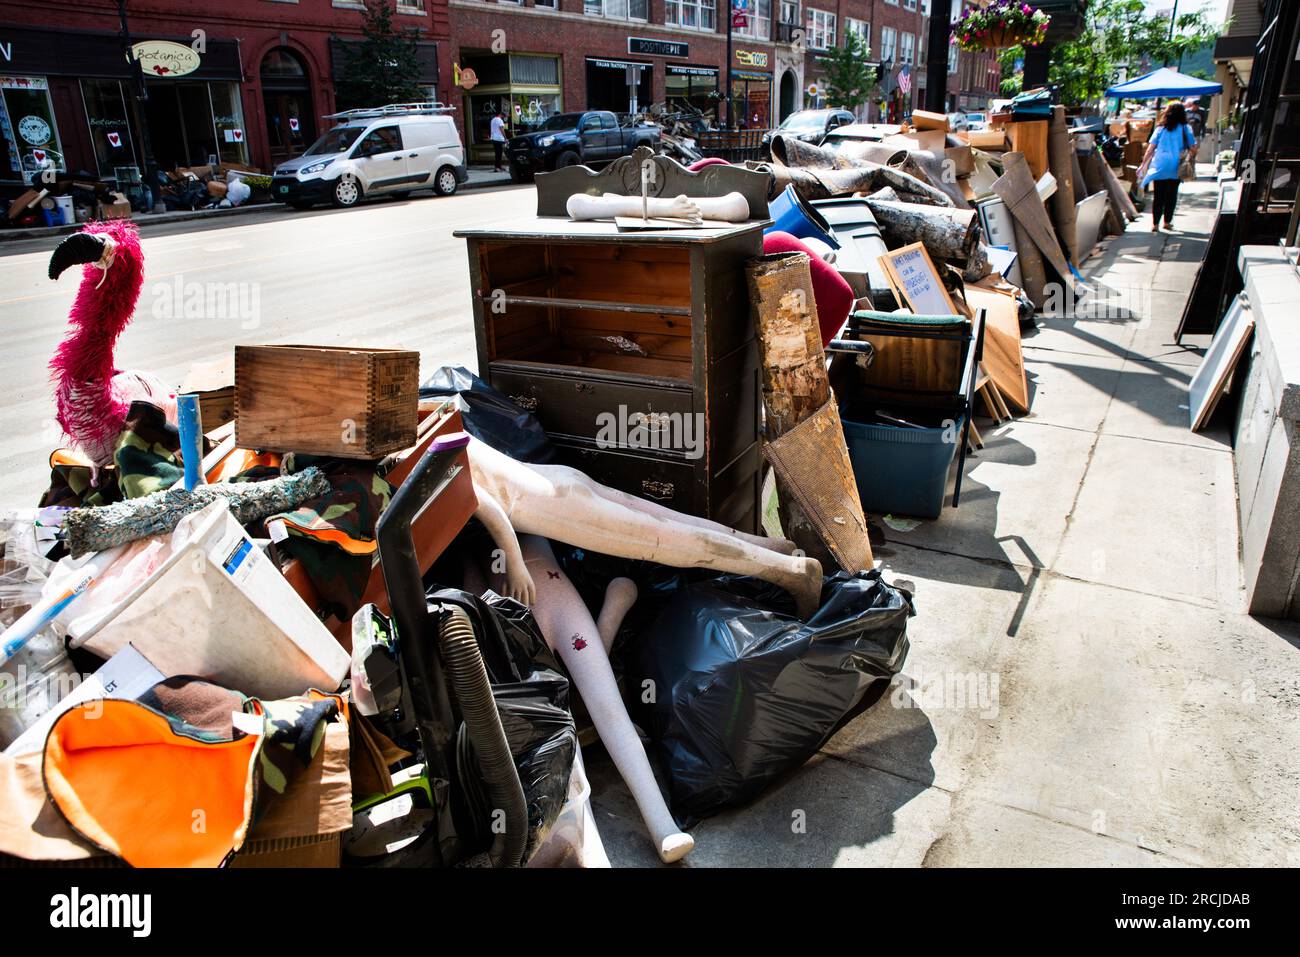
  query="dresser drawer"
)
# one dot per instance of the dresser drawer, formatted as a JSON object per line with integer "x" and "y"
{"x": 673, "y": 483}
{"x": 618, "y": 413}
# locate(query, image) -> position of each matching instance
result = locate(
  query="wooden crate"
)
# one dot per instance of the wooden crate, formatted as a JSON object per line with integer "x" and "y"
{"x": 320, "y": 400}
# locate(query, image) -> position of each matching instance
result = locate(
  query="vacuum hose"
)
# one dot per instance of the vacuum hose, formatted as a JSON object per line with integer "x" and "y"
{"x": 469, "y": 678}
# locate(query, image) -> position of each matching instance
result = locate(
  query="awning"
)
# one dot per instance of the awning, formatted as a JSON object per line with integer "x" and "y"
{"x": 83, "y": 53}
{"x": 1164, "y": 82}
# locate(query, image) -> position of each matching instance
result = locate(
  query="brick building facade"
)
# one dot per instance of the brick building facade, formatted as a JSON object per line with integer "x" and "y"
{"x": 536, "y": 58}
{"x": 252, "y": 87}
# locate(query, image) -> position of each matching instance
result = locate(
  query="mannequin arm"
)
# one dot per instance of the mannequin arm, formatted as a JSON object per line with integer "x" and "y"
{"x": 581, "y": 206}
{"x": 519, "y": 583}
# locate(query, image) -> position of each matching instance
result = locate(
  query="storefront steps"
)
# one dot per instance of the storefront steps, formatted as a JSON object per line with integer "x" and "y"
{"x": 1083, "y": 686}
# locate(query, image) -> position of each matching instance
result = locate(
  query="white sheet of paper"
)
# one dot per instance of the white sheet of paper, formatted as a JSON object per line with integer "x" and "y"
{"x": 127, "y": 675}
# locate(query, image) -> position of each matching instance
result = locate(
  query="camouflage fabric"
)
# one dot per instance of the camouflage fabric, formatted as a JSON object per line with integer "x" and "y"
{"x": 295, "y": 729}
{"x": 146, "y": 460}
{"x": 334, "y": 535}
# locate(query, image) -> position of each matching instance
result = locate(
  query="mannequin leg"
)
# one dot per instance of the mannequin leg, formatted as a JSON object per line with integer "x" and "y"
{"x": 567, "y": 626}
{"x": 655, "y": 510}
{"x": 578, "y": 516}
{"x": 620, "y": 596}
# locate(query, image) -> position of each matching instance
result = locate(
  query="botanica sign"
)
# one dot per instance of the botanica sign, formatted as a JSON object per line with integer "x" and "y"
{"x": 163, "y": 58}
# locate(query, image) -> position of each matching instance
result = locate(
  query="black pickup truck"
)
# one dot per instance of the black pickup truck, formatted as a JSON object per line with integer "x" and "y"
{"x": 569, "y": 139}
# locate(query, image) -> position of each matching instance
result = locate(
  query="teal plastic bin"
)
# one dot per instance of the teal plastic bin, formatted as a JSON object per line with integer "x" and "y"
{"x": 900, "y": 470}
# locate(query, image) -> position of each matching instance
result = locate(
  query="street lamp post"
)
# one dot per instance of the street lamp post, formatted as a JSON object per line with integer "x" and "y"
{"x": 729, "y": 125}
{"x": 142, "y": 121}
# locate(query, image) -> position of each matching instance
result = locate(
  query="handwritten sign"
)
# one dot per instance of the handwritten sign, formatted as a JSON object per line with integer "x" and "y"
{"x": 916, "y": 281}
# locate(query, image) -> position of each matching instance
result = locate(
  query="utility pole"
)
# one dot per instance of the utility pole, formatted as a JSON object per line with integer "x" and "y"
{"x": 936, "y": 63}
{"x": 729, "y": 125}
{"x": 142, "y": 120}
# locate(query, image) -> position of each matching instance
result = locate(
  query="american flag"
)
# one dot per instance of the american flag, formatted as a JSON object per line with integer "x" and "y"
{"x": 905, "y": 79}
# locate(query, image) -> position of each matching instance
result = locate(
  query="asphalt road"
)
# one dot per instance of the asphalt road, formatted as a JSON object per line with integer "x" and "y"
{"x": 387, "y": 273}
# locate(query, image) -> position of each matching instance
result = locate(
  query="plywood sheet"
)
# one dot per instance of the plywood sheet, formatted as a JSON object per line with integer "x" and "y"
{"x": 1003, "y": 359}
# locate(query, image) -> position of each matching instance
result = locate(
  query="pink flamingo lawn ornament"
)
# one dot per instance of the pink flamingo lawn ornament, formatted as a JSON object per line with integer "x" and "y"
{"x": 92, "y": 395}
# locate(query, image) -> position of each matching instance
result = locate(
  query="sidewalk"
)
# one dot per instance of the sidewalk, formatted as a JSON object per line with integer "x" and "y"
{"x": 479, "y": 178}
{"x": 1089, "y": 583}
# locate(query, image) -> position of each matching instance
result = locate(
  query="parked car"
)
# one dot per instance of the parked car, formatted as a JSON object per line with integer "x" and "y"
{"x": 810, "y": 125}
{"x": 390, "y": 150}
{"x": 592, "y": 138}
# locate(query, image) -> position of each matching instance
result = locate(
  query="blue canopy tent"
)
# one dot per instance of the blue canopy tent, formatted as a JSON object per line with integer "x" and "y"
{"x": 1164, "y": 82}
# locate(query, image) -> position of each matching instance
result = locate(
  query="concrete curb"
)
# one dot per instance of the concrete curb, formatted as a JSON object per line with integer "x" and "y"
{"x": 184, "y": 215}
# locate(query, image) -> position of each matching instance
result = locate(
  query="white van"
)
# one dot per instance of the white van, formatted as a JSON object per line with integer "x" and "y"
{"x": 391, "y": 150}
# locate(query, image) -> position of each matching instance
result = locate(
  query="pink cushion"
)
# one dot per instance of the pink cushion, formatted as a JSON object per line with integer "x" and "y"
{"x": 707, "y": 161}
{"x": 831, "y": 292}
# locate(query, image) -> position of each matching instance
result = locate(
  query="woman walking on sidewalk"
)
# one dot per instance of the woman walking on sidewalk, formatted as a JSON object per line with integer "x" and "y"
{"x": 1170, "y": 157}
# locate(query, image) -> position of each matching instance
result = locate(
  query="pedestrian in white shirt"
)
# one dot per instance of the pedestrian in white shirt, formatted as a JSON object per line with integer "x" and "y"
{"x": 498, "y": 136}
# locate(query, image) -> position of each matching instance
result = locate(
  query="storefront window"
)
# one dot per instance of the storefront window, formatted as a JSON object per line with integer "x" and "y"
{"x": 27, "y": 125}
{"x": 526, "y": 87}
{"x": 110, "y": 125}
{"x": 688, "y": 87}
{"x": 751, "y": 95}
{"x": 530, "y": 110}
{"x": 228, "y": 117}
{"x": 608, "y": 87}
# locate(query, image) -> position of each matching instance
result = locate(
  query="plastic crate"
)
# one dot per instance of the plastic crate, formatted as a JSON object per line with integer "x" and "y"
{"x": 900, "y": 470}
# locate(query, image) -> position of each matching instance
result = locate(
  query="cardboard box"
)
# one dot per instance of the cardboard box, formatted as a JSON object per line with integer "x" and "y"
{"x": 986, "y": 139}
{"x": 923, "y": 120}
{"x": 118, "y": 208}
{"x": 963, "y": 160}
{"x": 931, "y": 141}
{"x": 1139, "y": 131}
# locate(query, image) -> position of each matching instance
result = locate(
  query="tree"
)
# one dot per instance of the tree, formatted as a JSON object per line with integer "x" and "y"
{"x": 850, "y": 75}
{"x": 383, "y": 67}
{"x": 1118, "y": 33}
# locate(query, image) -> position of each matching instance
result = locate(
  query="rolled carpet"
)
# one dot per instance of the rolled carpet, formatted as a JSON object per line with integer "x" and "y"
{"x": 97, "y": 529}
{"x": 831, "y": 292}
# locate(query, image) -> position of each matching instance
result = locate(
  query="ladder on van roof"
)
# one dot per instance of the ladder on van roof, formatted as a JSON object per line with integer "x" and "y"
{"x": 392, "y": 109}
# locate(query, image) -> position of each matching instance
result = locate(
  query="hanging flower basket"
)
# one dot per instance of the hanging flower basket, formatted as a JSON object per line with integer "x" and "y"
{"x": 1000, "y": 24}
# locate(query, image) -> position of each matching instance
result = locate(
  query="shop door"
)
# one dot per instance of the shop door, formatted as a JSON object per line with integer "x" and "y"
{"x": 787, "y": 93}
{"x": 290, "y": 127}
{"x": 287, "y": 101}
{"x": 166, "y": 126}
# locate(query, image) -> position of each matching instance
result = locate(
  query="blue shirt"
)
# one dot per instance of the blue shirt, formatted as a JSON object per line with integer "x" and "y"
{"x": 1169, "y": 149}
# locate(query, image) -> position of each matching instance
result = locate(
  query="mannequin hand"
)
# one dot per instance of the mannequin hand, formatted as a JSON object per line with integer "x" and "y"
{"x": 682, "y": 208}
{"x": 519, "y": 584}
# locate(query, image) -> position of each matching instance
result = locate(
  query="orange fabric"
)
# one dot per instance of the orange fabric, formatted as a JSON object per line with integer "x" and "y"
{"x": 127, "y": 782}
{"x": 346, "y": 542}
{"x": 68, "y": 457}
{"x": 240, "y": 460}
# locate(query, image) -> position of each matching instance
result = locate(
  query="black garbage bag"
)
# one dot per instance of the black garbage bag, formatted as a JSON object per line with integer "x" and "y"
{"x": 544, "y": 741}
{"x": 490, "y": 416}
{"x": 532, "y": 698}
{"x": 744, "y": 691}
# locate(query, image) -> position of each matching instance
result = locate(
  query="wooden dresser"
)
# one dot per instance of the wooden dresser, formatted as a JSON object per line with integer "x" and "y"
{"x": 635, "y": 351}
